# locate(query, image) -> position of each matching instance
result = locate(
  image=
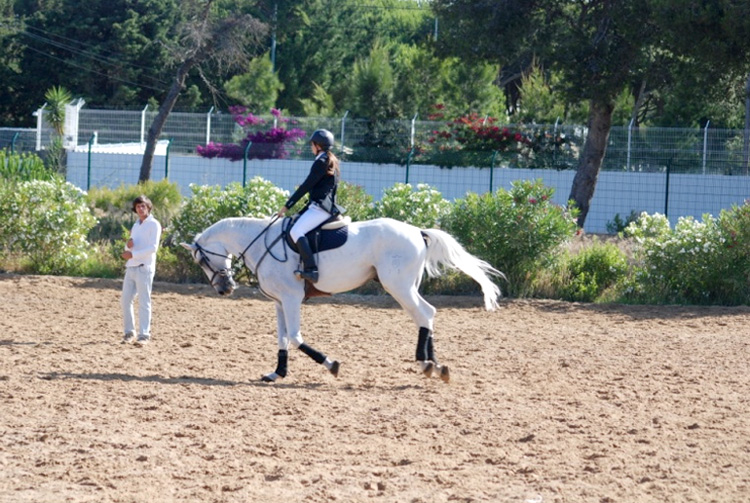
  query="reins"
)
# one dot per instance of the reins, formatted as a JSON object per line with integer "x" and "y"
{"x": 268, "y": 247}
{"x": 228, "y": 273}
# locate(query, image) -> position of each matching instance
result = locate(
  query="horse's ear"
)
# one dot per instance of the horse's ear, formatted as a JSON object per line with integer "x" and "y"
{"x": 191, "y": 246}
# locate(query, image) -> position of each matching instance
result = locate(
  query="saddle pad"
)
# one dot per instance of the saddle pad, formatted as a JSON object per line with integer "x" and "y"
{"x": 328, "y": 239}
{"x": 322, "y": 240}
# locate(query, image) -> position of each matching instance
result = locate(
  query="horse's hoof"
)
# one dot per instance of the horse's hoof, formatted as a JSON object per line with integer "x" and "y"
{"x": 270, "y": 377}
{"x": 445, "y": 374}
{"x": 335, "y": 369}
{"x": 428, "y": 368}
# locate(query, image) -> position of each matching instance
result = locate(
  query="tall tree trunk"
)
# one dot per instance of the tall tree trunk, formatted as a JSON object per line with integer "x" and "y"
{"x": 154, "y": 132}
{"x": 638, "y": 103}
{"x": 584, "y": 183}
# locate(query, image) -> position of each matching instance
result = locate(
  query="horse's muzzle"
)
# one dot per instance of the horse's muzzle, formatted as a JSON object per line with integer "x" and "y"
{"x": 225, "y": 285}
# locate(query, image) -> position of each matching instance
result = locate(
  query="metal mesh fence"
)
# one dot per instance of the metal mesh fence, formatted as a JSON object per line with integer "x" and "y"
{"x": 679, "y": 172}
{"x": 18, "y": 139}
{"x": 649, "y": 150}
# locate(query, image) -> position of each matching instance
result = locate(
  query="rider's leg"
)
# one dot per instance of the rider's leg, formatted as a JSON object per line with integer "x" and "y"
{"x": 310, "y": 271}
{"x": 310, "y": 219}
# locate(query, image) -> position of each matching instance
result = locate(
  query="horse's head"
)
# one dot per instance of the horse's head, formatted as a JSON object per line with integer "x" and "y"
{"x": 216, "y": 263}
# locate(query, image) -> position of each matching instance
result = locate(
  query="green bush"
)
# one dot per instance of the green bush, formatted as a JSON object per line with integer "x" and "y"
{"x": 209, "y": 204}
{"x": 358, "y": 203}
{"x": 47, "y": 222}
{"x": 585, "y": 276}
{"x": 617, "y": 225}
{"x": 423, "y": 207}
{"x": 518, "y": 231}
{"x": 694, "y": 263}
{"x": 113, "y": 207}
{"x": 735, "y": 230}
{"x": 23, "y": 167}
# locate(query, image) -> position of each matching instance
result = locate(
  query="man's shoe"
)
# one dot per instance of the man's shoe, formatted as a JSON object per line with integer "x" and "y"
{"x": 142, "y": 340}
{"x": 128, "y": 338}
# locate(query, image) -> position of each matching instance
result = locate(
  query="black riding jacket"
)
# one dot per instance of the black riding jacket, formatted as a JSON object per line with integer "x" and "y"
{"x": 321, "y": 186}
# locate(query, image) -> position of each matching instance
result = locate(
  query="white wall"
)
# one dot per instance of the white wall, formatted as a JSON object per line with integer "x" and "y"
{"x": 616, "y": 192}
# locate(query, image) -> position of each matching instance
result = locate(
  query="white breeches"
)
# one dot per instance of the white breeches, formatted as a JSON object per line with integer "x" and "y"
{"x": 310, "y": 219}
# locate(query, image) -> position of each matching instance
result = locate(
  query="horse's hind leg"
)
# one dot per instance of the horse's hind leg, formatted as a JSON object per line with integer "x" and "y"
{"x": 423, "y": 315}
{"x": 318, "y": 357}
{"x": 426, "y": 355}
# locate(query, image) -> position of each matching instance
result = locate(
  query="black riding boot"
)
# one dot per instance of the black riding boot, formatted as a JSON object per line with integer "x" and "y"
{"x": 311, "y": 270}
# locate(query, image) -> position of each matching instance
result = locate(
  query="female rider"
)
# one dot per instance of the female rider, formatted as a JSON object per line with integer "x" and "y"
{"x": 321, "y": 183}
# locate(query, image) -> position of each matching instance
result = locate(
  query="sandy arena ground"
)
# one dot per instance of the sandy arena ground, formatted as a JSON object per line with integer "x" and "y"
{"x": 548, "y": 402}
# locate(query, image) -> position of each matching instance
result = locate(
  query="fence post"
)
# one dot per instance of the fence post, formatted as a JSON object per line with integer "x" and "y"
{"x": 408, "y": 163}
{"x": 92, "y": 140}
{"x": 208, "y": 126}
{"x": 39, "y": 122}
{"x": 630, "y": 143}
{"x": 343, "y": 129}
{"x": 746, "y": 135}
{"x": 492, "y": 168}
{"x": 705, "y": 145}
{"x": 244, "y": 164}
{"x": 13, "y": 143}
{"x": 166, "y": 159}
{"x": 143, "y": 124}
{"x": 413, "y": 127}
{"x": 666, "y": 190}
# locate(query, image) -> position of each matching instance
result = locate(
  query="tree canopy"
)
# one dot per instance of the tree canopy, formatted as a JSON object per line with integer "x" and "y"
{"x": 600, "y": 48}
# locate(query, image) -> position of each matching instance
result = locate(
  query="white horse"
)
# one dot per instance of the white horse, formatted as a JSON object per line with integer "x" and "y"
{"x": 394, "y": 253}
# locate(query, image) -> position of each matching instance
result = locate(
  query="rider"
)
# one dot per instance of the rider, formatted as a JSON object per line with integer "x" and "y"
{"x": 321, "y": 183}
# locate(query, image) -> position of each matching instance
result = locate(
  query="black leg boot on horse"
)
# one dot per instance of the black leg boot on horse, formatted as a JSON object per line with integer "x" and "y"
{"x": 310, "y": 271}
{"x": 281, "y": 367}
{"x": 425, "y": 355}
{"x": 318, "y": 357}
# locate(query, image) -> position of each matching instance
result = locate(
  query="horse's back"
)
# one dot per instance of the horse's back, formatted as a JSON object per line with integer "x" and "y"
{"x": 387, "y": 228}
{"x": 384, "y": 238}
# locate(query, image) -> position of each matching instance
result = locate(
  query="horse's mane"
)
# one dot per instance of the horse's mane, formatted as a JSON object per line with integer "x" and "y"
{"x": 231, "y": 223}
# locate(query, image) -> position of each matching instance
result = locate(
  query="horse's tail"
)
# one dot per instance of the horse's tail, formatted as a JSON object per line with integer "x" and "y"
{"x": 444, "y": 251}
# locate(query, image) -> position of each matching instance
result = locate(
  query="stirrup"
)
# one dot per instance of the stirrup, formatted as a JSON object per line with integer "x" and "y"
{"x": 310, "y": 275}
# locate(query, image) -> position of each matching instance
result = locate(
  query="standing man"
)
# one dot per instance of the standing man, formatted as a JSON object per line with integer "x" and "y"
{"x": 140, "y": 267}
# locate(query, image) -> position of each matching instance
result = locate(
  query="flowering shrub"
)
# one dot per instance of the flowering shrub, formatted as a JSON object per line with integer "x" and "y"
{"x": 472, "y": 140}
{"x": 46, "y": 221}
{"x": 423, "y": 207}
{"x": 264, "y": 144}
{"x": 549, "y": 150}
{"x": 517, "y": 231}
{"x": 693, "y": 263}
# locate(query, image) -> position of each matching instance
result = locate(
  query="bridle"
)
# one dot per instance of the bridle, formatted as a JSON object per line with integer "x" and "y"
{"x": 205, "y": 262}
{"x": 227, "y": 273}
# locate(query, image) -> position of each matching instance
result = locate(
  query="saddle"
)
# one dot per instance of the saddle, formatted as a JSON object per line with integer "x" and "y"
{"x": 329, "y": 235}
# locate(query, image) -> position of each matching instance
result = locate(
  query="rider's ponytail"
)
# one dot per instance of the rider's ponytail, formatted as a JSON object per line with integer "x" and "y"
{"x": 333, "y": 164}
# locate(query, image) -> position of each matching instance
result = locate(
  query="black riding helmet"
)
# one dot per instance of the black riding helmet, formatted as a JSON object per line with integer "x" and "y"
{"x": 322, "y": 137}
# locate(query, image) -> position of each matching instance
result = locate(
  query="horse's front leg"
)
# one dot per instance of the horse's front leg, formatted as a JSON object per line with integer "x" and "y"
{"x": 292, "y": 315}
{"x": 283, "y": 338}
